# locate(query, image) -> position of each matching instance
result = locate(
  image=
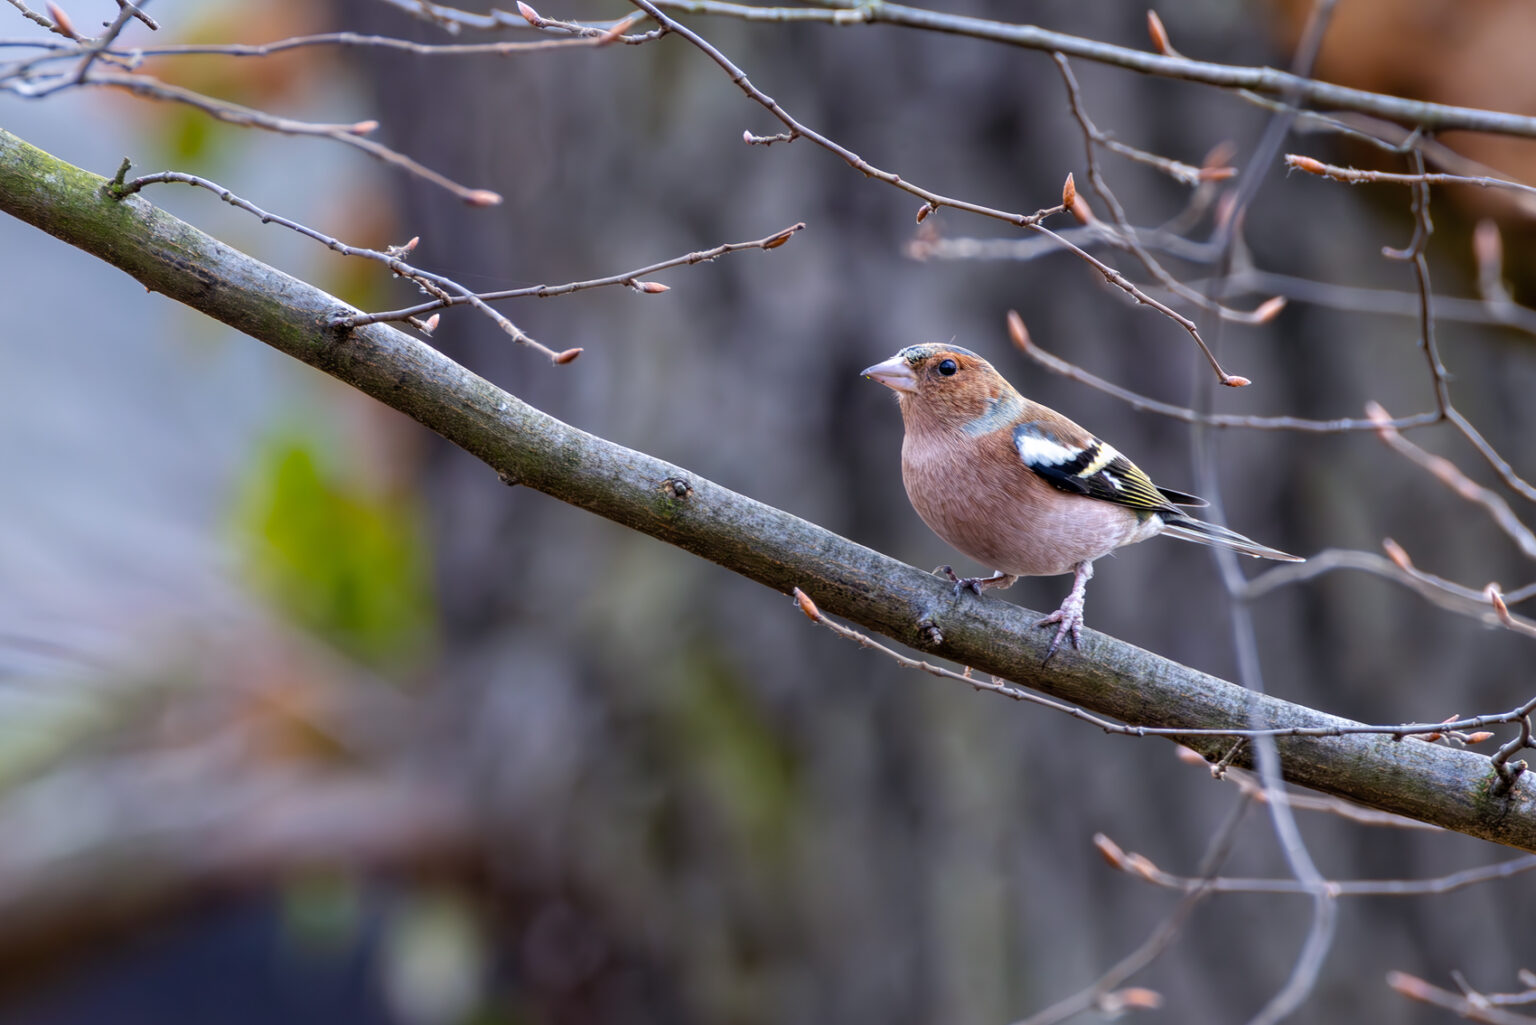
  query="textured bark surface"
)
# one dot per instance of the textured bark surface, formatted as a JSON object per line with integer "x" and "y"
{"x": 524, "y": 445}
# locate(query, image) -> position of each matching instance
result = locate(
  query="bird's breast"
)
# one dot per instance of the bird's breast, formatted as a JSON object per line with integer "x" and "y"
{"x": 976, "y": 494}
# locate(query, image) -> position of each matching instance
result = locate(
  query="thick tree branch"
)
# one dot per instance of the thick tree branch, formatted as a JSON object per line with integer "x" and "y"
{"x": 1452, "y": 788}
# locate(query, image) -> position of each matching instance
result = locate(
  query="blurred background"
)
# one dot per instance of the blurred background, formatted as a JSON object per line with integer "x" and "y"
{"x": 304, "y": 716}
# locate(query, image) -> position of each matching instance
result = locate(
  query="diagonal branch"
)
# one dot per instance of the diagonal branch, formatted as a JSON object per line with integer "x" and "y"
{"x": 1451, "y": 788}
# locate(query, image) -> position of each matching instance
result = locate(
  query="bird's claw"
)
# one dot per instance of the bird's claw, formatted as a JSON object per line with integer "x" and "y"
{"x": 1070, "y": 620}
{"x": 976, "y": 584}
{"x": 972, "y": 584}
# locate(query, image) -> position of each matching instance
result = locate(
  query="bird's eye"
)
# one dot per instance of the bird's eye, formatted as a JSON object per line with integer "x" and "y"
{"x": 948, "y": 367}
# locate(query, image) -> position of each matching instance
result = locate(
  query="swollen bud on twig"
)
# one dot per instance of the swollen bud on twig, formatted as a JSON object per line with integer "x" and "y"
{"x": 1478, "y": 737}
{"x": 1398, "y": 554}
{"x": 1132, "y": 998}
{"x": 775, "y": 241}
{"x": 530, "y": 15}
{"x": 1017, "y": 332}
{"x": 1159, "y": 35}
{"x": 566, "y": 356}
{"x": 430, "y": 324}
{"x": 807, "y": 606}
{"x": 62, "y": 21}
{"x": 1269, "y": 309}
{"x": 482, "y": 197}
{"x": 1109, "y": 850}
{"x": 363, "y": 127}
{"x": 1488, "y": 253}
{"x": 923, "y": 212}
{"x": 1080, "y": 209}
{"x": 1068, "y": 192}
{"x": 1307, "y": 164}
{"x": 651, "y": 287}
{"x": 1235, "y": 381}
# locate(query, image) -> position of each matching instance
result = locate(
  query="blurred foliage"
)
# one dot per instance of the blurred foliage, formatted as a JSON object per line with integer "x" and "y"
{"x": 724, "y": 740}
{"x": 347, "y": 561}
{"x": 323, "y": 911}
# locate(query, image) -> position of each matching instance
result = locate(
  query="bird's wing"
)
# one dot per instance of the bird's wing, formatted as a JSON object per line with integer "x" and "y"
{"x": 1070, "y": 459}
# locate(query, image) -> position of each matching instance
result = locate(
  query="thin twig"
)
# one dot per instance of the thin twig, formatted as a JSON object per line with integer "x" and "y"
{"x": 1141, "y": 403}
{"x": 629, "y": 278}
{"x": 1143, "y": 868}
{"x": 1007, "y": 690}
{"x": 347, "y": 134}
{"x": 1356, "y": 176}
{"x": 1449, "y": 474}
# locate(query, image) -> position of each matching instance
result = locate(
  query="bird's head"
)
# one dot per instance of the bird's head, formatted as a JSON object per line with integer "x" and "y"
{"x": 945, "y": 386}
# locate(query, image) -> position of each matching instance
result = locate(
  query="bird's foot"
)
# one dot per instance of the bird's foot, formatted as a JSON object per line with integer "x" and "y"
{"x": 975, "y": 584}
{"x": 1068, "y": 619}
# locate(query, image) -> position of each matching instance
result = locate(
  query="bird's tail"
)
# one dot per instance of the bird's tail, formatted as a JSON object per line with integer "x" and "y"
{"x": 1187, "y": 528}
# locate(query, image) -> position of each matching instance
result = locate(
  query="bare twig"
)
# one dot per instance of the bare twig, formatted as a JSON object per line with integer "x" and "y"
{"x": 1021, "y": 339}
{"x": 1125, "y": 235}
{"x": 1161, "y": 938}
{"x": 1004, "y": 689}
{"x": 1471, "y": 1006}
{"x": 1449, "y": 474}
{"x": 1355, "y": 176}
{"x": 1143, "y": 868}
{"x": 628, "y": 278}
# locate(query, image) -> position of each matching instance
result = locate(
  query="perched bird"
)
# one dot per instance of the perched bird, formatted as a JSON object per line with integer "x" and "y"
{"x": 1021, "y": 488}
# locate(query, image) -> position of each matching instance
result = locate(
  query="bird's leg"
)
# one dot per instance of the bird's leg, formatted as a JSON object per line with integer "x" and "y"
{"x": 976, "y": 584}
{"x": 1070, "y": 615}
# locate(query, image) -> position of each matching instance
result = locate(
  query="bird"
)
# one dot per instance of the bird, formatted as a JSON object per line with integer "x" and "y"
{"x": 1019, "y": 487}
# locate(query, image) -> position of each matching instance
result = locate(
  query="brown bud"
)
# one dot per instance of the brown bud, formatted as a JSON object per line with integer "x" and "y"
{"x": 1137, "y": 998}
{"x": 1081, "y": 210}
{"x": 1217, "y": 174}
{"x": 1497, "y": 600}
{"x": 482, "y": 197}
{"x": 807, "y": 606}
{"x": 783, "y": 236}
{"x": 430, "y": 324}
{"x": 1234, "y": 381}
{"x": 923, "y": 212}
{"x": 1220, "y": 154}
{"x": 566, "y": 356}
{"x": 1478, "y": 737}
{"x": 1269, "y": 309}
{"x": 1017, "y": 332}
{"x": 1487, "y": 244}
{"x": 530, "y": 15}
{"x": 652, "y": 287}
{"x": 1159, "y": 35}
{"x": 62, "y": 20}
{"x": 1068, "y": 192}
{"x": 1307, "y": 164}
{"x": 1397, "y": 553}
{"x": 1109, "y": 850}
{"x": 363, "y": 127}
{"x": 1410, "y": 986}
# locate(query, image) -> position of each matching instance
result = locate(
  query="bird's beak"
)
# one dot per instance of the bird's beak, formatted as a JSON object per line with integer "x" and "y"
{"x": 895, "y": 373}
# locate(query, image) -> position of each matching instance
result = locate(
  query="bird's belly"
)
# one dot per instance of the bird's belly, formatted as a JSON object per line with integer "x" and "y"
{"x": 1013, "y": 525}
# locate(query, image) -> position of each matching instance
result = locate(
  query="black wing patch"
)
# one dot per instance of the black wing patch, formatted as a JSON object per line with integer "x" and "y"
{"x": 1095, "y": 469}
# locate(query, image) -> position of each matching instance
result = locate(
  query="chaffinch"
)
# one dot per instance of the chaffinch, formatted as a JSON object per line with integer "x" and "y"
{"x": 1021, "y": 488}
